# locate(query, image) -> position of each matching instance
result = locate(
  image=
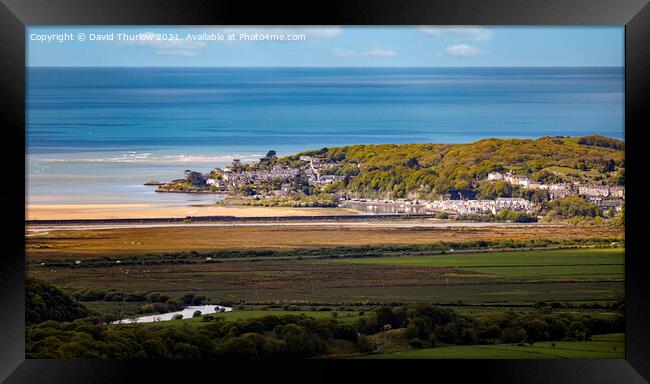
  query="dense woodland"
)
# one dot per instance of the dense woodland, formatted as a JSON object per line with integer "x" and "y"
{"x": 46, "y": 302}
{"x": 430, "y": 170}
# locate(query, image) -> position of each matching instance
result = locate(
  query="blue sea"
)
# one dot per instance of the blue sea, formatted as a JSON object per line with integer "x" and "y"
{"x": 95, "y": 135}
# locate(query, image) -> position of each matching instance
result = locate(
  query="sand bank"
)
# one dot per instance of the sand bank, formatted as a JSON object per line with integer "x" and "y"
{"x": 148, "y": 211}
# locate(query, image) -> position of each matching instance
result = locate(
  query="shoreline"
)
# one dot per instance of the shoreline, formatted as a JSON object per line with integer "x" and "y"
{"x": 149, "y": 211}
{"x": 223, "y": 193}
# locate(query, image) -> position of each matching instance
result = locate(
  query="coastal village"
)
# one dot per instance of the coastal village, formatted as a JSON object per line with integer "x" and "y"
{"x": 271, "y": 178}
{"x": 237, "y": 176}
{"x": 604, "y": 196}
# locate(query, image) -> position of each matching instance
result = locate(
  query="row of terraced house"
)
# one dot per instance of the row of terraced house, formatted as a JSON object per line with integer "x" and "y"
{"x": 605, "y": 196}
{"x": 463, "y": 207}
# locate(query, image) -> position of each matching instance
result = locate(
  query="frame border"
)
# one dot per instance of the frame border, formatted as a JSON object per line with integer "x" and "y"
{"x": 16, "y": 16}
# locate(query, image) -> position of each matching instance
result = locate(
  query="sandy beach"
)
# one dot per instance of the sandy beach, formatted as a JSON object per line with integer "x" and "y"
{"x": 148, "y": 211}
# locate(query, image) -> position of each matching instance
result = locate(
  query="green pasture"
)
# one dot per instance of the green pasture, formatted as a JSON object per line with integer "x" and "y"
{"x": 610, "y": 346}
{"x": 497, "y": 293}
{"x": 579, "y": 256}
{"x": 566, "y": 263}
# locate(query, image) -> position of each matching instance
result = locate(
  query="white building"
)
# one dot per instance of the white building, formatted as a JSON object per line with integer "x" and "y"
{"x": 514, "y": 204}
{"x": 216, "y": 183}
{"x": 594, "y": 190}
{"x": 618, "y": 192}
{"x": 465, "y": 207}
{"x": 493, "y": 176}
{"x": 513, "y": 179}
{"x": 329, "y": 179}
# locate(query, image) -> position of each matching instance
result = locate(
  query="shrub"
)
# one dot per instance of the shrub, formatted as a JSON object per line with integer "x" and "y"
{"x": 491, "y": 333}
{"x": 515, "y": 334}
{"x": 557, "y": 329}
{"x": 536, "y": 330}
{"x": 577, "y": 331}
{"x": 417, "y": 343}
{"x": 601, "y": 141}
{"x": 515, "y": 217}
{"x": 418, "y": 328}
{"x": 432, "y": 341}
{"x": 364, "y": 344}
{"x": 345, "y": 332}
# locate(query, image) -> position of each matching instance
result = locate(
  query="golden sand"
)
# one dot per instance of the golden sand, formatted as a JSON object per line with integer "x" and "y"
{"x": 147, "y": 211}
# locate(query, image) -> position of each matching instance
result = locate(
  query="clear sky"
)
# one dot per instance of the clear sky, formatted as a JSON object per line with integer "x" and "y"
{"x": 329, "y": 46}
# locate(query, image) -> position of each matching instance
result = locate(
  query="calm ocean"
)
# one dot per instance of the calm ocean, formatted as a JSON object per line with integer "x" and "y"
{"x": 96, "y": 134}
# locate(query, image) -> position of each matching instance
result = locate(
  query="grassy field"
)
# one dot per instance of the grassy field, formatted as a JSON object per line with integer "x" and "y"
{"x": 492, "y": 278}
{"x": 99, "y": 243}
{"x": 577, "y": 263}
{"x": 327, "y": 282}
{"x": 516, "y": 278}
{"x": 496, "y": 293}
{"x": 496, "y": 311}
{"x": 610, "y": 346}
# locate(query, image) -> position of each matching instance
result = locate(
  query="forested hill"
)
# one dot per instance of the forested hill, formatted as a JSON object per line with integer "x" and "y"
{"x": 46, "y": 302}
{"x": 432, "y": 169}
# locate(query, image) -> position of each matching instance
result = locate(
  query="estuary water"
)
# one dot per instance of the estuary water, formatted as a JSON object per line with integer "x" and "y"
{"x": 95, "y": 135}
{"x": 187, "y": 313}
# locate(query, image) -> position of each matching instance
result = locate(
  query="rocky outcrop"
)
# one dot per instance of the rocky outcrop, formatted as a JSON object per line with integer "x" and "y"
{"x": 195, "y": 178}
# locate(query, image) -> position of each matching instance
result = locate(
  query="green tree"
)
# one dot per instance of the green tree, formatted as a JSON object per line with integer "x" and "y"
{"x": 46, "y": 302}
{"x": 609, "y": 166}
{"x": 493, "y": 189}
{"x": 418, "y": 328}
{"x": 413, "y": 163}
{"x": 572, "y": 207}
{"x": 577, "y": 331}
{"x": 536, "y": 330}
{"x": 491, "y": 332}
{"x": 364, "y": 344}
{"x": 545, "y": 176}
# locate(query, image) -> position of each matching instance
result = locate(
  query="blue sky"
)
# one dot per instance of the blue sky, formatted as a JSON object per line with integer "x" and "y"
{"x": 333, "y": 46}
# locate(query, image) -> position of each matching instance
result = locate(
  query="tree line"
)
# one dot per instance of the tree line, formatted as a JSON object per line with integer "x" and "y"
{"x": 67, "y": 332}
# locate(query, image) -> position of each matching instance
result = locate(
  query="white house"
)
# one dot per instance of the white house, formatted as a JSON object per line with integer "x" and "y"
{"x": 494, "y": 176}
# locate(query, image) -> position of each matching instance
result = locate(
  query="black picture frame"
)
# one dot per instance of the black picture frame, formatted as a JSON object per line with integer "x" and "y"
{"x": 16, "y": 15}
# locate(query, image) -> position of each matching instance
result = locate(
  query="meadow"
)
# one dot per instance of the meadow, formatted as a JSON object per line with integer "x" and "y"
{"x": 345, "y": 274}
{"x": 125, "y": 242}
{"x": 586, "y": 264}
{"x": 507, "y": 278}
{"x": 608, "y": 346}
{"x": 262, "y": 268}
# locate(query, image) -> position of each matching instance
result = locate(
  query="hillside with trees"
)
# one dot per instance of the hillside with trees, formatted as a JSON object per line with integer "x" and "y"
{"x": 46, "y": 302}
{"x": 431, "y": 170}
{"x": 413, "y": 326}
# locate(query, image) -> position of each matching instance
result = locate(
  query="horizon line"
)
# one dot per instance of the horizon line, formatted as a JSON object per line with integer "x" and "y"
{"x": 324, "y": 66}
